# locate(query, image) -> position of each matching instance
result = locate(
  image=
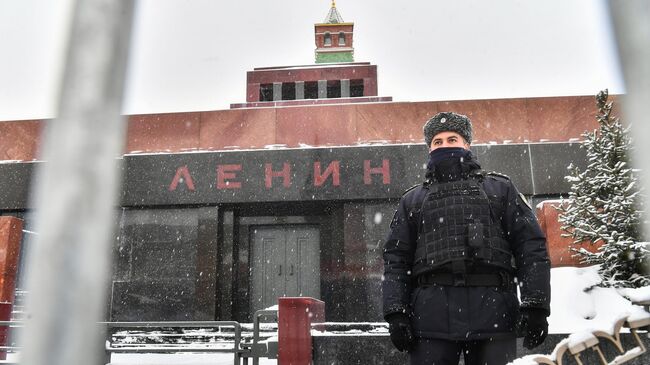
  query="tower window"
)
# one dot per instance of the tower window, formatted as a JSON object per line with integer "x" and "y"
{"x": 311, "y": 90}
{"x": 334, "y": 88}
{"x": 288, "y": 91}
{"x": 341, "y": 39}
{"x": 356, "y": 88}
{"x": 266, "y": 92}
{"x": 328, "y": 39}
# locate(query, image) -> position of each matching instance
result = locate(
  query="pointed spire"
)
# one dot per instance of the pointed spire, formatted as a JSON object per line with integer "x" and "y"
{"x": 333, "y": 17}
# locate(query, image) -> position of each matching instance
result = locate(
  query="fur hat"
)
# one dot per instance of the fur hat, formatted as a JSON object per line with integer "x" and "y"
{"x": 447, "y": 122}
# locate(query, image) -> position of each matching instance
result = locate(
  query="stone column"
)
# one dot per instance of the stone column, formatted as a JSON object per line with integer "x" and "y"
{"x": 345, "y": 88}
{"x": 300, "y": 90}
{"x": 322, "y": 89}
{"x": 277, "y": 91}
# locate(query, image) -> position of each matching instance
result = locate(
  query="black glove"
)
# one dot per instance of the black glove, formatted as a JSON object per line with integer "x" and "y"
{"x": 532, "y": 326}
{"x": 400, "y": 330}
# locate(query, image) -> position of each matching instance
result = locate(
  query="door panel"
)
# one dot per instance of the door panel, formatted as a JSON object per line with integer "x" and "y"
{"x": 308, "y": 269}
{"x": 285, "y": 262}
{"x": 292, "y": 285}
{"x": 273, "y": 280}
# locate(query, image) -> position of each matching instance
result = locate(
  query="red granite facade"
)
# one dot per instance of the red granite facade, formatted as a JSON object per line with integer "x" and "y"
{"x": 19, "y": 140}
{"x": 560, "y": 248}
{"x": 555, "y": 119}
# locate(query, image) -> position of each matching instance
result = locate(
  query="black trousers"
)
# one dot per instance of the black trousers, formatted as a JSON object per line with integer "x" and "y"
{"x": 433, "y": 351}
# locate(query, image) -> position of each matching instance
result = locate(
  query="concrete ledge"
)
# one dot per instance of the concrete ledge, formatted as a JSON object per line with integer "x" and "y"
{"x": 349, "y": 350}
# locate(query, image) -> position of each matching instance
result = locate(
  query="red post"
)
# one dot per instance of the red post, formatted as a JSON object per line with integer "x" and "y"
{"x": 295, "y": 317}
{"x": 11, "y": 229}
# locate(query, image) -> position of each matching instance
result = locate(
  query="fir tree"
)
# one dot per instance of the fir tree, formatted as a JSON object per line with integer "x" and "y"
{"x": 605, "y": 204}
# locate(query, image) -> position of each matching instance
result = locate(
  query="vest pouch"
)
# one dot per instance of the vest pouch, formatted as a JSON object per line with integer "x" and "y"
{"x": 475, "y": 238}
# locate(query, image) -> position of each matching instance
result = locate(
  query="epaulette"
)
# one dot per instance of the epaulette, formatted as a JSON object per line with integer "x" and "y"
{"x": 411, "y": 188}
{"x": 498, "y": 174}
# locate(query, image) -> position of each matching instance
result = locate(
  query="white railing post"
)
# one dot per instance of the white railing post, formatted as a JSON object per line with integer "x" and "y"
{"x": 74, "y": 192}
{"x": 631, "y": 19}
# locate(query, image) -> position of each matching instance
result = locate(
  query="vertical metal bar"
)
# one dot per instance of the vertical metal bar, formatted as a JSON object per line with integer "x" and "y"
{"x": 631, "y": 19}
{"x": 638, "y": 341}
{"x": 75, "y": 192}
{"x": 237, "y": 345}
{"x": 577, "y": 359}
{"x": 599, "y": 352}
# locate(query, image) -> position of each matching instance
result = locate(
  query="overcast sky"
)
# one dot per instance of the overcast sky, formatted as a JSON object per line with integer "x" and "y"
{"x": 190, "y": 55}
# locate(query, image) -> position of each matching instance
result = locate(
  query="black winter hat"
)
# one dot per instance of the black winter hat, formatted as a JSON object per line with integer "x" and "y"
{"x": 447, "y": 122}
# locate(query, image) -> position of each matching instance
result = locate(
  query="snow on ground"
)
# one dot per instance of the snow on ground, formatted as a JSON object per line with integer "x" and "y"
{"x": 575, "y": 310}
{"x": 637, "y": 295}
{"x": 180, "y": 359}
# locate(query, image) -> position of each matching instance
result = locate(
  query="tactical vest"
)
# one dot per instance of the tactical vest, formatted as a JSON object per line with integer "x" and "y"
{"x": 456, "y": 227}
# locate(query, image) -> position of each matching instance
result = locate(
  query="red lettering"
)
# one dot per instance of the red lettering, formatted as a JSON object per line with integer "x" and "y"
{"x": 225, "y": 174}
{"x": 334, "y": 169}
{"x": 384, "y": 170}
{"x": 284, "y": 173}
{"x": 182, "y": 176}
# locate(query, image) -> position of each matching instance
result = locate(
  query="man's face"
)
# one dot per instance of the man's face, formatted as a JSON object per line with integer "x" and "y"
{"x": 448, "y": 139}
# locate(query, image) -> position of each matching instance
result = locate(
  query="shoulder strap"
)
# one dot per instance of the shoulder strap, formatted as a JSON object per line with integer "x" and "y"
{"x": 478, "y": 175}
{"x": 411, "y": 188}
{"x": 498, "y": 174}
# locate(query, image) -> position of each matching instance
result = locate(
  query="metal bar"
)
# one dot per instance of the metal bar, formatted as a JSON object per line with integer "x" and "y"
{"x": 236, "y": 325}
{"x": 12, "y": 323}
{"x": 75, "y": 192}
{"x": 236, "y": 350}
{"x": 631, "y": 19}
{"x": 600, "y": 354}
{"x": 10, "y": 348}
{"x": 164, "y": 349}
{"x": 638, "y": 341}
{"x": 256, "y": 329}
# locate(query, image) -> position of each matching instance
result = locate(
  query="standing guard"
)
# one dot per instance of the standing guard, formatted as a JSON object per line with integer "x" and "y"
{"x": 458, "y": 247}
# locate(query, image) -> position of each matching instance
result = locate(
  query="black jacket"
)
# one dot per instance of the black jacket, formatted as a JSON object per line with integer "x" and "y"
{"x": 461, "y": 312}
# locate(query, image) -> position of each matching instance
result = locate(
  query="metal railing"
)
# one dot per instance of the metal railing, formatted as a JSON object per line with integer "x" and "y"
{"x": 7, "y": 349}
{"x": 226, "y": 336}
{"x": 236, "y": 348}
{"x": 269, "y": 349}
